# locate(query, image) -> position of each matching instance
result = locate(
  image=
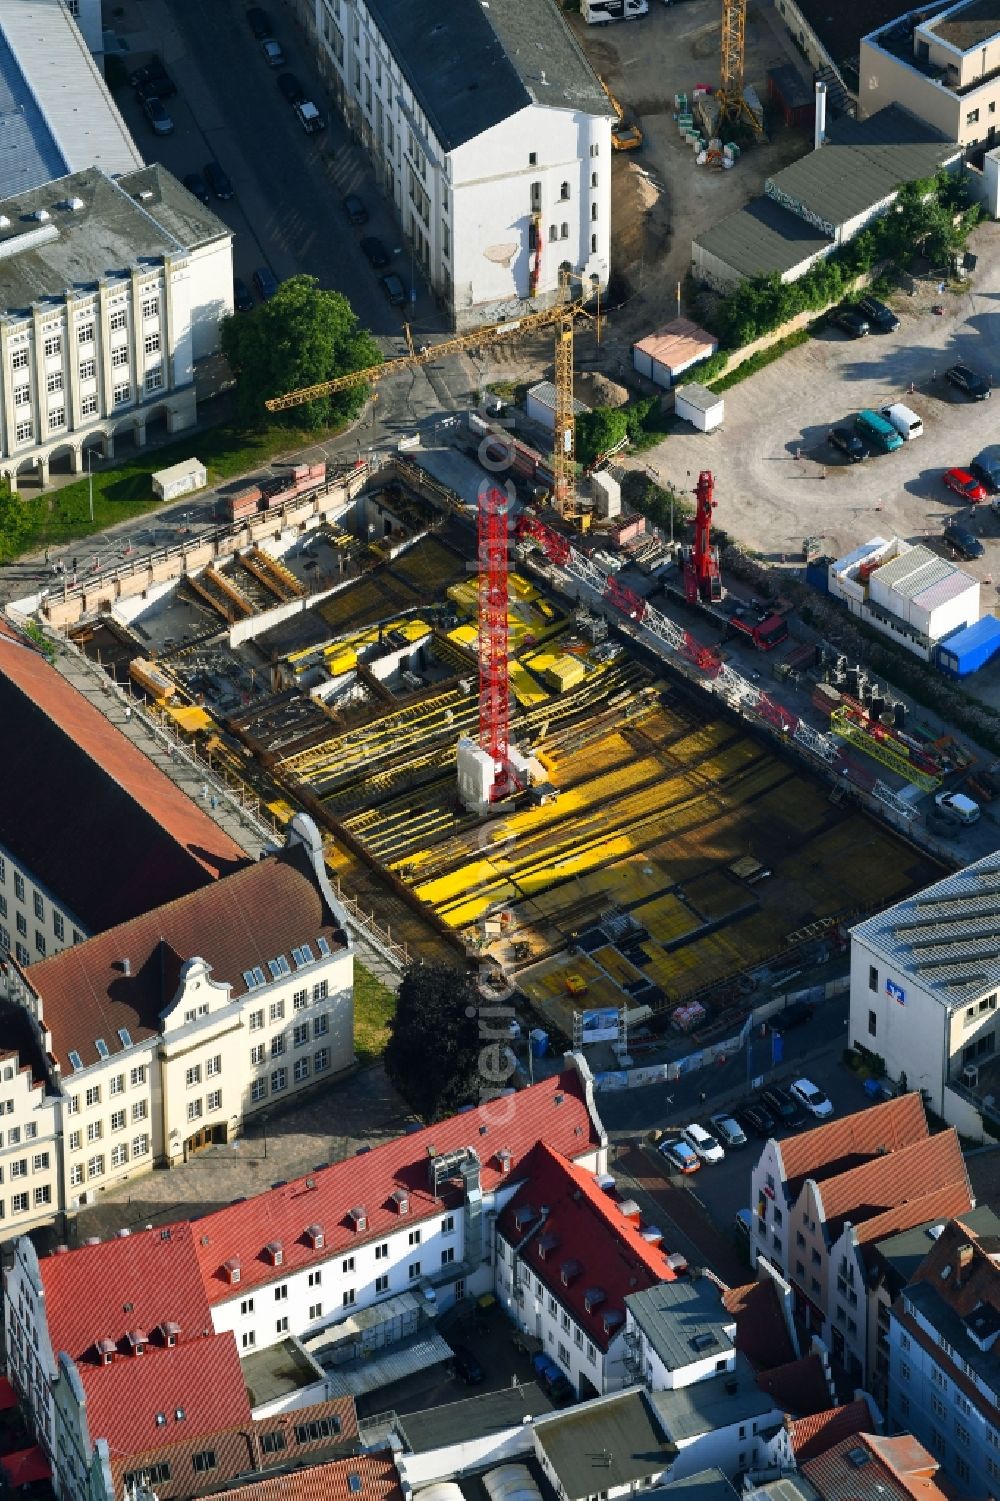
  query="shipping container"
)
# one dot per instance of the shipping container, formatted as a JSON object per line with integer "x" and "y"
{"x": 970, "y": 648}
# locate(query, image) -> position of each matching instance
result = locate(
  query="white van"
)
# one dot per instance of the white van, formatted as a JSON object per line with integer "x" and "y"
{"x": 906, "y": 422}
{"x": 957, "y": 807}
{"x": 603, "y": 12}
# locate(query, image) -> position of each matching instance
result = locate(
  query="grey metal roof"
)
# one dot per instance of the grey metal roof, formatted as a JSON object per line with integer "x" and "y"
{"x": 911, "y": 571}
{"x": 762, "y": 237}
{"x": 706, "y": 1485}
{"x": 473, "y": 63}
{"x": 899, "y": 1255}
{"x": 56, "y": 114}
{"x": 785, "y": 1488}
{"x": 699, "y": 397}
{"x": 941, "y": 590}
{"x": 477, "y": 1417}
{"x": 684, "y": 1321}
{"x": 604, "y": 1444}
{"x": 110, "y": 230}
{"x": 862, "y": 163}
{"x": 946, "y": 936}
{"x": 703, "y": 1406}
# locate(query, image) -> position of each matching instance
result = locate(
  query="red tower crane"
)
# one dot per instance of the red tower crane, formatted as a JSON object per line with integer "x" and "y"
{"x": 494, "y": 686}
{"x": 702, "y": 580}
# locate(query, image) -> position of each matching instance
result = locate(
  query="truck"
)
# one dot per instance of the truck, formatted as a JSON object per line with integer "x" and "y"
{"x": 765, "y": 631}
{"x": 603, "y": 12}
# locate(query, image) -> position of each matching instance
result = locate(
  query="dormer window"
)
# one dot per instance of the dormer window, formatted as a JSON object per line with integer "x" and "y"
{"x": 547, "y": 1243}
{"x": 569, "y": 1272}
{"x": 137, "y": 1341}
{"x": 524, "y": 1215}
{"x": 75, "y": 1060}
{"x": 358, "y": 1218}
{"x": 593, "y": 1298}
{"x": 102, "y": 1048}
{"x": 315, "y": 1237}
{"x": 105, "y": 1351}
{"x": 171, "y": 1334}
{"x": 279, "y": 967}
{"x": 232, "y": 1270}
{"x": 400, "y": 1201}
{"x": 274, "y": 1251}
{"x": 324, "y": 948}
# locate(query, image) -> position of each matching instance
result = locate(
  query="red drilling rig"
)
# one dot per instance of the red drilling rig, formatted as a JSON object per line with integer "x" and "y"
{"x": 702, "y": 580}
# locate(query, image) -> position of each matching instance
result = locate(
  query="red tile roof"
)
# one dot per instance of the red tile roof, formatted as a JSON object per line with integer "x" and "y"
{"x": 761, "y": 1332}
{"x": 138, "y": 1282}
{"x": 939, "y": 1204}
{"x": 962, "y": 1272}
{"x": 846, "y": 1143}
{"x": 102, "y": 802}
{"x": 800, "y": 1387}
{"x": 820, "y": 1431}
{"x": 896, "y": 1470}
{"x": 377, "y": 1480}
{"x": 585, "y": 1227}
{"x": 200, "y": 1378}
{"x": 554, "y": 1111}
{"x": 235, "y": 923}
{"x": 912, "y": 1172}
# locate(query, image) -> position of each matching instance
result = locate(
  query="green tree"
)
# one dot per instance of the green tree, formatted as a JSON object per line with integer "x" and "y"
{"x": 598, "y": 431}
{"x": 15, "y": 524}
{"x": 301, "y": 336}
{"x": 433, "y": 1053}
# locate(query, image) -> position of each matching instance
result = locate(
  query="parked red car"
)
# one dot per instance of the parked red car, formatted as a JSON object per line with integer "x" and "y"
{"x": 965, "y": 484}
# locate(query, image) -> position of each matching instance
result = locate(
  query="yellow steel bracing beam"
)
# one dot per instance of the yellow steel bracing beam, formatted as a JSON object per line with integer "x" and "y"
{"x": 881, "y": 750}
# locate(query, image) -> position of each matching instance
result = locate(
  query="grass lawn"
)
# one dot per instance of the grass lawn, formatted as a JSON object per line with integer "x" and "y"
{"x": 374, "y": 1004}
{"x": 123, "y": 491}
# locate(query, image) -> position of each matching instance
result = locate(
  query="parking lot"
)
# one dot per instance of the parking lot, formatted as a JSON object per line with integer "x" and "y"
{"x": 286, "y": 213}
{"x": 778, "y": 480}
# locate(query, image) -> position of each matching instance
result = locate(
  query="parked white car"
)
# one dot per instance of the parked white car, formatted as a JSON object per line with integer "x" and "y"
{"x": 814, "y": 1100}
{"x": 706, "y": 1146}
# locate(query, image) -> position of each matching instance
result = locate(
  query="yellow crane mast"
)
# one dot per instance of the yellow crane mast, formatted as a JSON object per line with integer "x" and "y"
{"x": 730, "y": 94}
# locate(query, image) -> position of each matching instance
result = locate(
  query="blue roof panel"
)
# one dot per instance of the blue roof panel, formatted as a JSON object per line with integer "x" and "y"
{"x": 29, "y": 155}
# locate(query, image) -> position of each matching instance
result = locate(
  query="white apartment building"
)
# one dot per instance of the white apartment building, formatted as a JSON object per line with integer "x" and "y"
{"x": 165, "y": 1033}
{"x": 489, "y": 133}
{"x": 111, "y": 295}
{"x": 924, "y": 985}
{"x": 942, "y": 63}
{"x": 150, "y": 842}
{"x": 415, "y": 1214}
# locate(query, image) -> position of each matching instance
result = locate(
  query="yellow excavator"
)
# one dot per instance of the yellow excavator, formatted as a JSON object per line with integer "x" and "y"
{"x": 625, "y": 135}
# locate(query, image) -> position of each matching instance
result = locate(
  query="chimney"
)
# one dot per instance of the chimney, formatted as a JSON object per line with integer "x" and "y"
{"x": 820, "y": 129}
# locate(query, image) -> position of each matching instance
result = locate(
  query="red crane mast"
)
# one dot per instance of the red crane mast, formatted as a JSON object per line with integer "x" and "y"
{"x": 702, "y": 580}
{"x": 494, "y": 685}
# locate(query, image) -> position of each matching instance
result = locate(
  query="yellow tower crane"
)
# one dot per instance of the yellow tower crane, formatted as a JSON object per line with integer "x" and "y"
{"x": 730, "y": 94}
{"x": 562, "y": 315}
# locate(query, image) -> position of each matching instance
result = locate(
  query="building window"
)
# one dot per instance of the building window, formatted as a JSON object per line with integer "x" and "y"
{"x": 151, "y": 307}
{"x": 95, "y": 1167}
{"x": 19, "y": 359}
{"x": 564, "y": 231}
{"x": 448, "y": 1225}
{"x": 277, "y": 1046}
{"x": 117, "y": 1085}
{"x": 118, "y": 320}
{"x": 75, "y": 1140}
{"x": 301, "y": 1070}
{"x": 23, "y": 432}
{"x": 40, "y": 943}
{"x": 140, "y": 1145}
{"x": 532, "y": 158}
{"x": 972, "y": 118}
{"x": 19, "y": 1204}
{"x": 53, "y": 344}
{"x": 57, "y": 418}
{"x": 281, "y": 1325}
{"x": 154, "y": 379}
{"x": 279, "y": 1078}
{"x": 564, "y": 190}
{"x": 276, "y": 1011}
{"x": 321, "y": 1059}
{"x": 300, "y": 1035}
{"x": 382, "y": 1283}
{"x": 300, "y": 999}
{"x": 214, "y": 1100}
{"x": 256, "y": 1021}
{"x": 85, "y": 333}
{"x": 193, "y": 1076}
{"x": 76, "y": 1175}
{"x": 593, "y": 244}
{"x": 553, "y": 233}
{"x": 119, "y": 357}
{"x": 349, "y": 1297}
{"x": 118, "y": 1120}
{"x": 140, "y": 1110}
{"x": 93, "y": 1096}
{"x": 382, "y": 1251}
{"x": 257, "y": 1053}
{"x": 872, "y": 1024}
{"x": 962, "y": 1433}
{"x": 281, "y": 1292}
{"x": 904, "y": 1371}
{"x": 203, "y": 1461}
{"x": 320, "y": 991}
{"x": 593, "y": 179}
{"x": 213, "y": 1066}
{"x": 414, "y": 1270}
{"x": 872, "y": 977}
{"x": 249, "y": 1339}
{"x": 59, "y": 925}
{"x": 119, "y": 1154}
{"x": 122, "y": 394}
{"x": 315, "y": 1311}
{"x": 258, "y": 1091}
{"x": 22, "y": 396}
{"x": 321, "y": 1025}
{"x": 54, "y": 381}
{"x": 448, "y": 1256}
{"x": 414, "y": 1237}
{"x": 194, "y": 1110}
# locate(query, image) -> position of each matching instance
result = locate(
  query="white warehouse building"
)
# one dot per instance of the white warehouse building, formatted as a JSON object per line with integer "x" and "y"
{"x": 490, "y": 133}
{"x": 907, "y": 592}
